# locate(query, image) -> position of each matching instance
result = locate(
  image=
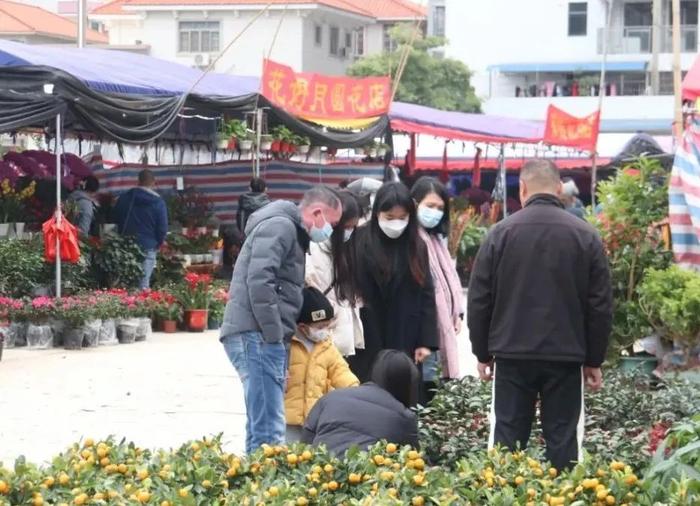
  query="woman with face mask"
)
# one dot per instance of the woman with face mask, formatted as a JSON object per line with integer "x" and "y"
{"x": 433, "y": 204}
{"x": 328, "y": 269}
{"x": 392, "y": 278}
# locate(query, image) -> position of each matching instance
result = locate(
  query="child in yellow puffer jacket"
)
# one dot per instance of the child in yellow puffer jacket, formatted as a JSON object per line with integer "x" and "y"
{"x": 315, "y": 365}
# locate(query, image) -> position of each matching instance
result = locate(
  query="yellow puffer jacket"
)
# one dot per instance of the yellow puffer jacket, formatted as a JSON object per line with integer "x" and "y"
{"x": 312, "y": 374}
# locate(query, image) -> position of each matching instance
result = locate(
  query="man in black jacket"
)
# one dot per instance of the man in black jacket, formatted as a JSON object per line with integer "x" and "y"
{"x": 251, "y": 201}
{"x": 540, "y": 306}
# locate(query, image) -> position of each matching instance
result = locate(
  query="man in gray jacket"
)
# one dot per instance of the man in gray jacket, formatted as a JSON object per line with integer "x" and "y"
{"x": 265, "y": 299}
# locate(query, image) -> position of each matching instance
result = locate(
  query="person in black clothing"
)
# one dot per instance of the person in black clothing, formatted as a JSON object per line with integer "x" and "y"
{"x": 362, "y": 416}
{"x": 251, "y": 201}
{"x": 392, "y": 282}
{"x": 540, "y": 305}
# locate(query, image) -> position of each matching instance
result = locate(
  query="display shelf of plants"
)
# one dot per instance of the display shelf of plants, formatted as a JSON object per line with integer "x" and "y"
{"x": 629, "y": 460}
{"x": 280, "y": 143}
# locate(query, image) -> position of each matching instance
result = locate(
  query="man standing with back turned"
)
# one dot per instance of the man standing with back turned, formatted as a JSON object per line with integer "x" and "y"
{"x": 265, "y": 300}
{"x": 540, "y": 314}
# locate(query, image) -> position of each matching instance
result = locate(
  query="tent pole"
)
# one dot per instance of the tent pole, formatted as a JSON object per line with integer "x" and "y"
{"x": 58, "y": 205}
{"x": 258, "y": 135}
{"x": 502, "y": 174}
{"x": 601, "y": 94}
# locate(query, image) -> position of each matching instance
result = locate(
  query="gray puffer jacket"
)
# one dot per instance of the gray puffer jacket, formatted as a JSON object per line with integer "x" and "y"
{"x": 266, "y": 289}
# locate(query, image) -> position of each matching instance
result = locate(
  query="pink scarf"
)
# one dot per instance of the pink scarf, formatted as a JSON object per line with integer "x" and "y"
{"x": 449, "y": 301}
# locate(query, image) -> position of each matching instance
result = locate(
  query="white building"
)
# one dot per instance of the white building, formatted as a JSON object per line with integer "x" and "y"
{"x": 314, "y": 36}
{"x": 528, "y": 54}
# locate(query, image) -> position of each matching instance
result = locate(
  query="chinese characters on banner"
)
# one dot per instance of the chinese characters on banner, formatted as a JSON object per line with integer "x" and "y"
{"x": 563, "y": 129}
{"x": 325, "y": 97}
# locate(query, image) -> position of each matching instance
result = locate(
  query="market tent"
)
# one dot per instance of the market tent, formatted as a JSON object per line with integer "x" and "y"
{"x": 133, "y": 98}
{"x": 418, "y": 119}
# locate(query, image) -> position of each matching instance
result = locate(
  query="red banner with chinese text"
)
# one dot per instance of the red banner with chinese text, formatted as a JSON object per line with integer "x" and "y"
{"x": 563, "y": 129}
{"x": 325, "y": 97}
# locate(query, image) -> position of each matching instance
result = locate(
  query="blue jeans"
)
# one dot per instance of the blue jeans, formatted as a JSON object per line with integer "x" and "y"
{"x": 149, "y": 263}
{"x": 262, "y": 369}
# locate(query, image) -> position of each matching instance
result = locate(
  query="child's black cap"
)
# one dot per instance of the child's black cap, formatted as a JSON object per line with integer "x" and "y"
{"x": 316, "y": 307}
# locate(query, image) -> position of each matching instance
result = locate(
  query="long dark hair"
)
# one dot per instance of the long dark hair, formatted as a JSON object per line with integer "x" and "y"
{"x": 424, "y": 187}
{"x": 343, "y": 253}
{"x": 395, "y": 372}
{"x": 377, "y": 245}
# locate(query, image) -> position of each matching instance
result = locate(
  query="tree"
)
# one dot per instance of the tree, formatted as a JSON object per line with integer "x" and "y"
{"x": 428, "y": 80}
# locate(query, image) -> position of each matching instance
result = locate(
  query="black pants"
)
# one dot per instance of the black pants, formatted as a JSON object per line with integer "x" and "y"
{"x": 559, "y": 386}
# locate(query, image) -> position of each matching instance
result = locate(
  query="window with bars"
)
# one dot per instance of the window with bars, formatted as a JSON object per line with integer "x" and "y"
{"x": 578, "y": 18}
{"x": 389, "y": 44}
{"x": 318, "y": 35}
{"x": 199, "y": 36}
{"x": 334, "y": 40}
{"x": 439, "y": 21}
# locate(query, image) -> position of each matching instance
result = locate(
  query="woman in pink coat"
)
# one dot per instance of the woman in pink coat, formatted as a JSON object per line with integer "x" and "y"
{"x": 434, "y": 217}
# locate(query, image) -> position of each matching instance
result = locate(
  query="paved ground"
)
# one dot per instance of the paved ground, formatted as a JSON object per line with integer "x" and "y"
{"x": 159, "y": 393}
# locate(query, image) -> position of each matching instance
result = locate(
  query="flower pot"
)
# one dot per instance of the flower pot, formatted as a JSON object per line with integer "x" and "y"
{"x": 196, "y": 319}
{"x": 73, "y": 338}
{"x": 92, "y": 333}
{"x": 169, "y": 326}
{"x": 291, "y": 148}
{"x": 304, "y": 149}
{"x": 215, "y": 232}
{"x": 126, "y": 330}
{"x": 231, "y": 144}
{"x": 372, "y": 153}
{"x": 39, "y": 336}
{"x": 265, "y": 145}
{"x": 246, "y": 145}
{"x": 644, "y": 363}
{"x": 108, "y": 333}
{"x": 208, "y": 258}
{"x": 4, "y": 229}
{"x": 214, "y": 324}
{"x": 284, "y": 147}
{"x": 187, "y": 260}
{"x": 185, "y": 230}
{"x": 15, "y": 335}
{"x": 276, "y": 146}
{"x": 217, "y": 256}
{"x": 359, "y": 151}
{"x": 202, "y": 230}
{"x": 58, "y": 327}
{"x": 144, "y": 329}
{"x": 19, "y": 230}
{"x": 222, "y": 143}
{"x": 381, "y": 152}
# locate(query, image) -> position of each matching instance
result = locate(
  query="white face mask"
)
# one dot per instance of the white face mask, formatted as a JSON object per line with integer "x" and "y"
{"x": 317, "y": 335}
{"x": 393, "y": 228}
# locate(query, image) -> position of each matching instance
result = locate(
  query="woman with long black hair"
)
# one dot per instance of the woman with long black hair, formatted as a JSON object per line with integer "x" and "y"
{"x": 329, "y": 269}
{"x": 433, "y": 204}
{"x": 392, "y": 279}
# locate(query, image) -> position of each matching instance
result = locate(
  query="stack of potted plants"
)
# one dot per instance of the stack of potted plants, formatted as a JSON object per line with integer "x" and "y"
{"x": 195, "y": 295}
{"x": 234, "y": 134}
{"x": 13, "y": 203}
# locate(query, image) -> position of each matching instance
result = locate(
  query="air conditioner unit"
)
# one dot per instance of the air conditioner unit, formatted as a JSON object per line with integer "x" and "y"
{"x": 202, "y": 60}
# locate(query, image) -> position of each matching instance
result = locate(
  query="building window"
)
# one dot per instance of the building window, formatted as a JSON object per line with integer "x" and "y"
{"x": 439, "y": 21}
{"x": 359, "y": 49}
{"x": 318, "y": 35}
{"x": 199, "y": 36}
{"x": 389, "y": 43}
{"x": 335, "y": 40}
{"x": 348, "y": 41}
{"x": 578, "y": 18}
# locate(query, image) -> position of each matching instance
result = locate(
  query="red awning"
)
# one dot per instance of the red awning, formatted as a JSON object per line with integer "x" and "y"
{"x": 410, "y": 127}
{"x": 467, "y": 164}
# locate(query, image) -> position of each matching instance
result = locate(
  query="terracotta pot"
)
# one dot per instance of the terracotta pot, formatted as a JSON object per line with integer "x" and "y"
{"x": 197, "y": 319}
{"x": 232, "y": 144}
{"x": 275, "y": 147}
{"x": 169, "y": 326}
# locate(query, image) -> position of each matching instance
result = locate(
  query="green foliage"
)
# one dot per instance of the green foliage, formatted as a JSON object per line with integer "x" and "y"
{"x": 670, "y": 299}
{"x": 632, "y": 204}
{"x": 21, "y": 267}
{"x": 190, "y": 208}
{"x": 168, "y": 271}
{"x": 619, "y": 418}
{"x": 120, "y": 261}
{"x": 676, "y": 464}
{"x": 428, "y": 80}
{"x": 235, "y": 128}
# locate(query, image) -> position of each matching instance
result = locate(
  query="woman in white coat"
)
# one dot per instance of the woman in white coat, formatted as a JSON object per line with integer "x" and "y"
{"x": 328, "y": 268}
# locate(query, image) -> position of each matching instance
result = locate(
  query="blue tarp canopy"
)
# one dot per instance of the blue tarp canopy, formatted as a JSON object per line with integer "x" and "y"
{"x": 573, "y": 66}
{"x": 123, "y": 72}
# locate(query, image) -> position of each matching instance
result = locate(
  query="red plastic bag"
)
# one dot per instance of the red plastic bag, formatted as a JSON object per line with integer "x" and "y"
{"x": 67, "y": 235}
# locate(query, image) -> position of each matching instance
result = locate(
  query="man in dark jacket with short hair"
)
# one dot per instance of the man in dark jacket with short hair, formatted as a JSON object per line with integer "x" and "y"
{"x": 251, "y": 201}
{"x": 540, "y": 304}
{"x": 142, "y": 213}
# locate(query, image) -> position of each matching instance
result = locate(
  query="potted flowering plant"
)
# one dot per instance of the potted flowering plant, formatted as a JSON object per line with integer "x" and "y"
{"x": 169, "y": 312}
{"x": 217, "y": 307}
{"x": 12, "y": 206}
{"x": 195, "y": 295}
{"x": 75, "y": 312}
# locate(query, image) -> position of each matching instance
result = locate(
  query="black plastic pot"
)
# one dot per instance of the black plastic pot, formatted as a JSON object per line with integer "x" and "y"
{"x": 73, "y": 338}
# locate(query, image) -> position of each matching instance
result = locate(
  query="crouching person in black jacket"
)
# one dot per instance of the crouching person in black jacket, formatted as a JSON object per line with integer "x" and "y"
{"x": 374, "y": 411}
{"x": 540, "y": 305}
